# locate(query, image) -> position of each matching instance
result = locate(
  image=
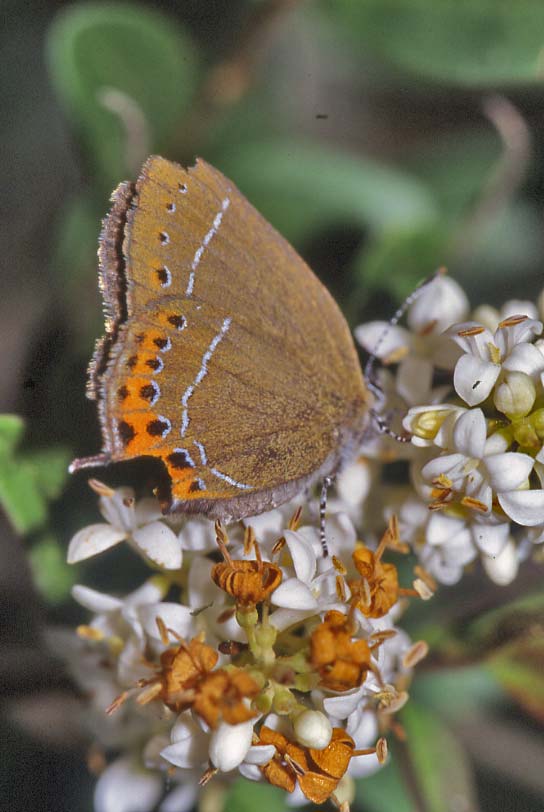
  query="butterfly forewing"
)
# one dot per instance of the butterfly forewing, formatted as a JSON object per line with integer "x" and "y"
{"x": 234, "y": 364}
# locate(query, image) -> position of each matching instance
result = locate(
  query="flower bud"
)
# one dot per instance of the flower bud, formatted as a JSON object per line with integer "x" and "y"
{"x": 503, "y": 568}
{"x": 229, "y": 745}
{"x": 516, "y": 394}
{"x": 313, "y": 729}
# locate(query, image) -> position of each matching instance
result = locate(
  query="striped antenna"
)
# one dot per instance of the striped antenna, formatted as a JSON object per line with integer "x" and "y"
{"x": 370, "y": 366}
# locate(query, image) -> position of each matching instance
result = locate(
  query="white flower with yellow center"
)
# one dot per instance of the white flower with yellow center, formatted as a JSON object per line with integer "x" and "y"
{"x": 138, "y": 523}
{"x": 487, "y": 354}
{"x": 478, "y": 471}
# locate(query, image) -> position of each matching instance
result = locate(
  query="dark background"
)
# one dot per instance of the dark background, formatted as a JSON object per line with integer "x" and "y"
{"x": 384, "y": 139}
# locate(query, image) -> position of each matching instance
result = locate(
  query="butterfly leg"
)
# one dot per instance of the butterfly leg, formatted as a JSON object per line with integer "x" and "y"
{"x": 327, "y": 482}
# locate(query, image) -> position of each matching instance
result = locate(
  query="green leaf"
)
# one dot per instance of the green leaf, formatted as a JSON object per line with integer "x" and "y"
{"x": 28, "y": 481}
{"x": 49, "y": 469}
{"x": 11, "y": 430}
{"x": 466, "y": 42}
{"x": 20, "y": 496}
{"x": 126, "y": 74}
{"x": 519, "y": 669}
{"x": 456, "y": 169}
{"x": 52, "y": 575}
{"x": 398, "y": 259}
{"x": 506, "y": 622}
{"x": 301, "y": 187}
{"x": 469, "y": 690}
{"x": 384, "y": 791}
{"x": 436, "y": 763}
{"x": 248, "y": 796}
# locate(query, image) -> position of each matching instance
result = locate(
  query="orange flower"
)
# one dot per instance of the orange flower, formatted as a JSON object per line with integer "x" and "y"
{"x": 182, "y": 669}
{"x": 341, "y": 662}
{"x": 378, "y": 590}
{"x": 317, "y": 771}
{"x": 249, "y": 582}
{"x": 220, "y": 697}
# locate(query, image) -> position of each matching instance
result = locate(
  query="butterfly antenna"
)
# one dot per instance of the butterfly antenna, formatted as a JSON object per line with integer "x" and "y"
{"x": 370, "y": 367}
{"x": 327, "y": 482}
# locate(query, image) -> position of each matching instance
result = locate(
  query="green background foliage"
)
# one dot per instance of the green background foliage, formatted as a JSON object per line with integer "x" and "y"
{"x": 374, "y": 135}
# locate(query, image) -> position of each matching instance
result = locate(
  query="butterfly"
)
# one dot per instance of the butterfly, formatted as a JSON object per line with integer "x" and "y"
{"x": 223, "y": 356}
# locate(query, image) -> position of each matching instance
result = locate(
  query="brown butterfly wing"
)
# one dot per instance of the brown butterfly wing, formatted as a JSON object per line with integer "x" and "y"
{"x": 233, "y": 365}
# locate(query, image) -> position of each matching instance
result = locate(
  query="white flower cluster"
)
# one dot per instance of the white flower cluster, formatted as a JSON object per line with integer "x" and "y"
{"x": 284, "y": 664}
{"x": 293, "y": 686}
{"x": 470, "y": 389}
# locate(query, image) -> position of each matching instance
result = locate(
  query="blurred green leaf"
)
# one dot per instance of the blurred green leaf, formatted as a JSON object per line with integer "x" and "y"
{"x": 249, "y": 796}
{"x": 49, "y": 469}
{"x": 385, "y": 791}
{"x": 469, "y": 690}
{"x": 519, "y": 669}
{"x": 11, "y": 430}
{"x": 126, "y": 74}
{"x": 456, "y": 168}
{"x": 398, "y": 259}
{"x": 436, "y": 763}
{"x": 465, "y": 42}
{"x": 75, "y": 248}
{"x": 28, "y": 481}
{"x": 301, "y": 187}
{"x": 20, "y": 496}
{"x": 506, "y": 622}
{"x": 51, "y": 574}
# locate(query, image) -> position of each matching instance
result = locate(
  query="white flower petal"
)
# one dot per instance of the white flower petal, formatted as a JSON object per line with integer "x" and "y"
{"x": 522, "y": 306}
{"x": 190, "y": 744}
{"x": 97, "y": 602}
{"x": 469, "y": 433}
{"x": 490, "y": 539}
{"x": 477, "y": 344}
{"x": 525, "y": 358}
{"x": 181, "y": 799}
{"x": 361, "y": 766}
{"x": 478, "y": 487}
{"x": 524, "y": 507}
{"x": 362, "y": 726}
{"x": 260, "y": 754}
{"x": 118, "y": 509}
{"x": 442, "y": 303}
{"x": 353, "y": 483}
{"x": 304, "y": 560}
{"x": 452, "y": 465}
{"x": 294, "y": 594}
{"x": 474, "y": 378}
{"x": 147, "y": 510}
{"x": 343, "y": 705}
{"x": 503, "y": 568}
{"x": 414, "y": 379}
{"x": 173, "y": 615}
{"x": 267, "y": 526}
{"x": 250, "y": 771}
{"x": 497, "y": 443}
{"x": 381, "y": 339}
{"x": 229, "y": 744}
{"x": 507, "y": 337}
{"x": 160, "y": 544}
{"x": 198, "y": 535}
{"x": 441, "y": 528}
{"x": 281, "y": 619}
{"x": 131, "y": 665}
{"x": 151, "y": 591}
{"x": 508, "y": 471}
{"x": 123, "y": 787}
{"x": 92, "y": 540}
